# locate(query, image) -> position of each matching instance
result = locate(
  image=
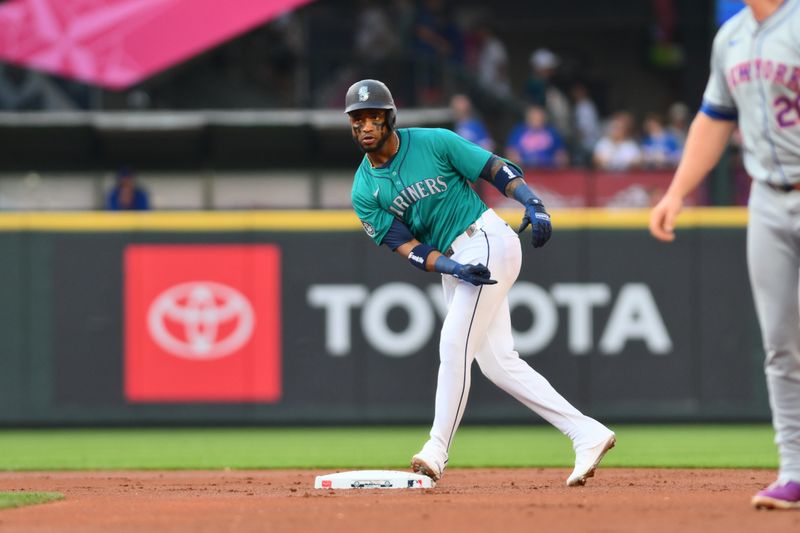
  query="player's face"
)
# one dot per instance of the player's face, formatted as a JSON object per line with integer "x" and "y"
{"x": 369, "y": 128}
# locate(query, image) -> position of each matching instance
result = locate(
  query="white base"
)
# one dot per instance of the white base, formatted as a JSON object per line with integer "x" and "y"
{"x": 373, "y": 479}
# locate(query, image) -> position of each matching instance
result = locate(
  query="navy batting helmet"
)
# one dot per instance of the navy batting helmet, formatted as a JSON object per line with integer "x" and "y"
{"x": 371, "y": 94}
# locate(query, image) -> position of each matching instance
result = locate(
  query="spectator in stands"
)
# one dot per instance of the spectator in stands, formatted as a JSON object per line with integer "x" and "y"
{"x": 617, "y": 150}
{"x": 127, "y": 194}
{"x": 541, "y": 90}
{"x": 436, "y": 32}
{"x": 284, "y": 43}
{"x": 23, "y": 89}
{"x": 375, "y": 38}
{"x": 18, "y": 89}
{"x": 404, "y": 14}
{"x": 587, "y": 124}
{"x": 536, "y": 144}
{"x": 660, "y": 149}
{"x": 678, "y": 116}
{"x": 438, "y": 42}
{"x": 467, "y": 124}
{"x": 492, "y": 62}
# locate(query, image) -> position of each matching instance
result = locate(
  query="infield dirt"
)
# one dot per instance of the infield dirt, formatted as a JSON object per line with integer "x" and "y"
{"x": 466, "y": 500}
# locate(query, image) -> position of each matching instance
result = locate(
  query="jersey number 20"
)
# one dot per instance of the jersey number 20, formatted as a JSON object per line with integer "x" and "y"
{"x": 786, "y": 108}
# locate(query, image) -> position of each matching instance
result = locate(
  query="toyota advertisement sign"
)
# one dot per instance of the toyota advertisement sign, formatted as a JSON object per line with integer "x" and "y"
{"x": 309, "y": 327}
{"x": 202, "y": 323}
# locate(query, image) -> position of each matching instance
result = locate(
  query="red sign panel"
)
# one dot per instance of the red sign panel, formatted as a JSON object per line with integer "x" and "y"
{"x": 635, "y": 189}
{"x": 578, "y": 188}
{"x": 202, "y": 323}
{"x": 558, "y": 189}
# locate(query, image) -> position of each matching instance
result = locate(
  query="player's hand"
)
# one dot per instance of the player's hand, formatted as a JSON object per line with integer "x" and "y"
{"x": 662, "y": 217}
{"x": 475, "y": 274}
{"x": 539, "y": 220}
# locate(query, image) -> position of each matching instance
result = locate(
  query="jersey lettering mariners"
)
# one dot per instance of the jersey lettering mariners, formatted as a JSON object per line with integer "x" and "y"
{"x": 425, "y": 186}
{"x": 758, "y": 62}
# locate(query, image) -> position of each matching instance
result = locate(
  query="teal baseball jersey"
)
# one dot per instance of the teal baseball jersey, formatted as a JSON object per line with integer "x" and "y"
{"x": 426, "y": 186}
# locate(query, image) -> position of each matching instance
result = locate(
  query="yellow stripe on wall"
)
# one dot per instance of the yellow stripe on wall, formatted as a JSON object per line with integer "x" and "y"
{"x": 181, "y": 221}
{"x": 210, "y": 221}
{"x": 716, "y": 217}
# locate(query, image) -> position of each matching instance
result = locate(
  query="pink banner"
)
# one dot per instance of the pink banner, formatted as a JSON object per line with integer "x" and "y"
{"x": 118, "y": 43}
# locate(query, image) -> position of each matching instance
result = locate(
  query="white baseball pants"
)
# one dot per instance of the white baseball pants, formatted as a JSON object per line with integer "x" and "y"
{"x": 478, "y": 327}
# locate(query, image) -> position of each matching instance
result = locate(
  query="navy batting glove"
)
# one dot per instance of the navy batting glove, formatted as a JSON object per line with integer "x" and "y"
{"x": 475, "y": 274}
{"x": 539, "y": 221}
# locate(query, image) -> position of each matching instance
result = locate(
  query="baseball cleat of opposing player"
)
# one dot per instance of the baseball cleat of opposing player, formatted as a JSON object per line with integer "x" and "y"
{"x": 586, "y": 461}
{"x": 423, "y": 466}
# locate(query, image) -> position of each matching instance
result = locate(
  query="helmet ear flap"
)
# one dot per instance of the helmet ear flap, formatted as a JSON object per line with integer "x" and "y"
{"x": 391, "y": 118}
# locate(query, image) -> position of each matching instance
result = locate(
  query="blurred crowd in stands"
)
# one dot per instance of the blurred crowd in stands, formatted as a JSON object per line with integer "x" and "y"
{"x": 556, "y": 122}
{"x": 558, "y": 131}
{"x": 430, "y": 53}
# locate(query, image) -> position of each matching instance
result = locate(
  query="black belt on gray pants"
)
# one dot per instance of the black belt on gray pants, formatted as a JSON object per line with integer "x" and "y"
{"x": 788, "y": 187}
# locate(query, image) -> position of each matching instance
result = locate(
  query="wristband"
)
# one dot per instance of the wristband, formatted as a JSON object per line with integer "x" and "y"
{"x": 419, "y": 255}
{"x": 445, "y": 265}
{"x": 506, "y": 173}
{"x": 504, "y": 176}
{"x": 524, "y": 195}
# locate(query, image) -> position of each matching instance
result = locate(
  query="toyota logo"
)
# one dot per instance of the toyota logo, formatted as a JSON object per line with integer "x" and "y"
{"x": 201, "y": 320}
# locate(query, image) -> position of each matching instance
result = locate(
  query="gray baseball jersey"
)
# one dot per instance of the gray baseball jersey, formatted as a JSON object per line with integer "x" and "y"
{"x": 755, "y": 74}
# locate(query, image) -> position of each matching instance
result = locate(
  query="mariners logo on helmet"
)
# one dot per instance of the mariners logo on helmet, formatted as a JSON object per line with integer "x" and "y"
{"x": 370, "y": 94}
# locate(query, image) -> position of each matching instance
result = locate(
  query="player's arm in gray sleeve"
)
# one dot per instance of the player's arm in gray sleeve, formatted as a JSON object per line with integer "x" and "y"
{"x": 718, "y": 102}
{"x": 707, "y": 138}
{"x": 427, "y": 258}
{"x": 508, "y": 179}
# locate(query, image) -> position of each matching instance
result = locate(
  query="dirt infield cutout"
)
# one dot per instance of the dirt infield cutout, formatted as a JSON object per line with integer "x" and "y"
{"x": 466, "y": 500}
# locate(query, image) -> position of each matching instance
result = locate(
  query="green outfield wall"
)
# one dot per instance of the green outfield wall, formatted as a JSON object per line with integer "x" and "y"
{"x": 297, "y": 317}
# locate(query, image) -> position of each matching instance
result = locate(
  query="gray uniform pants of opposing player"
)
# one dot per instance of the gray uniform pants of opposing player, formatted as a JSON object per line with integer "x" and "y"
{"x": 773, "y": 257}
{"x": 478, "y": 327}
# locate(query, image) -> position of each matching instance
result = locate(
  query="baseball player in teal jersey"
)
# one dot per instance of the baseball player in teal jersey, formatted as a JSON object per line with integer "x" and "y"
{"x": 412, "y": 193}
{"x": 755, "y": 79}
